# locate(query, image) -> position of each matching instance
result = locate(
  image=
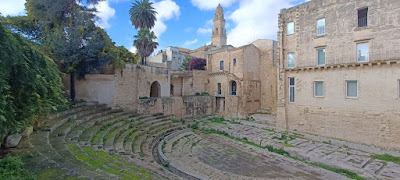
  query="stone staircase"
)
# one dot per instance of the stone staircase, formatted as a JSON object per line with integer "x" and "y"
{"x": 92, "y": 141}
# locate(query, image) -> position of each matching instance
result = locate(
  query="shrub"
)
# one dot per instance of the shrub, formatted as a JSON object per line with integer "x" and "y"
{"x": 197, "y": 64}
{"x": 12, "y": 167}
{"x": 30, "y": 83}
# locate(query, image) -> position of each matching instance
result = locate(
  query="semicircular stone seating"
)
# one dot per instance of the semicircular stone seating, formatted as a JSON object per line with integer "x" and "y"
{"x": 92, "y": 141}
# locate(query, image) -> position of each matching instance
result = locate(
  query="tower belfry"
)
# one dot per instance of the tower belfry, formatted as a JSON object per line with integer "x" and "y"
{"x": 218, "y": 37}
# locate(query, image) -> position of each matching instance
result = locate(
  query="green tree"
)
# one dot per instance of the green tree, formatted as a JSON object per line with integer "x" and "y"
{"x": 120, "y": 56}
{"x": 145, "y": 44}
{"x": 143, "y": 14}
{"x": 143, "y": 18}
{"x": 79, "y": 47}
{"x": 186, "y": 62}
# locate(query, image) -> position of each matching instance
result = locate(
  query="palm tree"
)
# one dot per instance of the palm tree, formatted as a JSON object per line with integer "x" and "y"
{"x": 143, "y": 15}
{"x": 145, "y": 44}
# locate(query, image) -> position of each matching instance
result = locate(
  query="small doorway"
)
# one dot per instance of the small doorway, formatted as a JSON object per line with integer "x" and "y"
{"x": 155, "y": 89}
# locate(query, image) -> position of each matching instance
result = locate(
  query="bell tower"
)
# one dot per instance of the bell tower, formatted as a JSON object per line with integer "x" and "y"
{"x": 218, "y": 37}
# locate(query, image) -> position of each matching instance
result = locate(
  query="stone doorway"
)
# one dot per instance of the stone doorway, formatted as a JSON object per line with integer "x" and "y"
{"x": 155, "y": 89}
{"x": 220, "y": 104}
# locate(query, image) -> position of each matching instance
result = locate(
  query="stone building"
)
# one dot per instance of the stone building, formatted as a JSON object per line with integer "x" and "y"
{"x": 172, "y": 58}
{"x": 339, "y": 70}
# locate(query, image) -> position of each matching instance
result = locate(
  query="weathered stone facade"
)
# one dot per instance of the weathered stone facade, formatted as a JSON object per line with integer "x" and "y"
{"x": 372, "y": 115}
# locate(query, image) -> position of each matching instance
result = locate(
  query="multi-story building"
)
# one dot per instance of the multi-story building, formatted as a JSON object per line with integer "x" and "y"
{"x": 339, "y": 70}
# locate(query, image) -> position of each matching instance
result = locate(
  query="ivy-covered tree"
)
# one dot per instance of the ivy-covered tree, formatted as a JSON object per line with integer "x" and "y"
{"x": 30, "y": 83}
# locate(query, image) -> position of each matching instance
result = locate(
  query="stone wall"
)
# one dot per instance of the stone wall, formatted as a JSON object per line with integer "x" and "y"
{"x": 373, "y": 117}
{"x": 99, "y": 87}
{"x": 127, "y": 85}
{"x": 179, "y": 107}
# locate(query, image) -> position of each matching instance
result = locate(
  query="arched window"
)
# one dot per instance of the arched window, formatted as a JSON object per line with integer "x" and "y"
{"x": 233, "y": 88}
{"x": 155, "y": 89}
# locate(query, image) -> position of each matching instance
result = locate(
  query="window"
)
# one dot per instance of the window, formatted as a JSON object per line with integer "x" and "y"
{"x": 291, "y": 90}
{"x": 290, "y": 28}
{"x": 234, "y": 62}
{"x": 319, "y": 89}
{"x": 221, "y": 65}
{"x": 321, "y": 27}
{"x": 351, "y": 89}
{"x": 363, "y": 17}
{"x": 290, "y": 58}
{"x": 233, "y": 88}
{"x": 321, "y": 57}
{"x": 219, "y": 88}
{"x": 398, "y": 82}
{"x": 363, "y": 52}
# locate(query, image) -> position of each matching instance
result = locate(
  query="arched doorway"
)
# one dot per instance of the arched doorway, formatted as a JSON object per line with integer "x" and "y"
{"x": 155, "y": 89}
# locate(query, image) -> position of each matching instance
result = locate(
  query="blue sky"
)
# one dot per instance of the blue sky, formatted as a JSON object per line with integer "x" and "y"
{"x": 186, "y": 23}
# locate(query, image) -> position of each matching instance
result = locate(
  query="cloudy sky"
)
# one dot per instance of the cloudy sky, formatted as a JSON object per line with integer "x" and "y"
{"x": 186, "y": 23}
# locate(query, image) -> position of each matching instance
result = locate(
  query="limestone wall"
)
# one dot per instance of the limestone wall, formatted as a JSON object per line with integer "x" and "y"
{"x": 180, "y": 107}
{"x": 372, "y": 118}
{"x": 342, "y": 32}
{"x": 99, "y": 87}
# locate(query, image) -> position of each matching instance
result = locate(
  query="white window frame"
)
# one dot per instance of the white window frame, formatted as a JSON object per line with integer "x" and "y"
{"x": 324, "y": 27}
{"x": 294, "y": 89}
{"x": 294, "y": 60}
{"x": 347, "y": 97}
{"x": 367, "y": 42}
{"x": 287, "y": 27}
{"x": 323, "y": 89}
{"x": 318, "y": 56}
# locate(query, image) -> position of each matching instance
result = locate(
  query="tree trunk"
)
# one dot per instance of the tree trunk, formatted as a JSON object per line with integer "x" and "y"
{"x": 143, "y": 63}
{"x": 72, "y": 85}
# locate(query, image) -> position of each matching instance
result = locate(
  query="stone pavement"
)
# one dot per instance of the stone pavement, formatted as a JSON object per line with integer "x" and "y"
{"x": 334, "y": 153}
{"x": 216, "y": 157}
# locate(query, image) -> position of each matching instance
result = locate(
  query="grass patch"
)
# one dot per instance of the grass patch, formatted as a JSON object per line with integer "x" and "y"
{"x": 327, "y": 142}
{"x": 195, "y": 126}
{"x": 111, "y": 134}
{"x": 219, "y": 120}
{"x": 163, "y": 147}
{"x": 176, "y": 121}
{"x": 343, "y": 172}
{"x": 387, "y": 157}
{"x": 105, "y": 162}
{"x": 12, "y": 167}
{"x": 100, "y": 134}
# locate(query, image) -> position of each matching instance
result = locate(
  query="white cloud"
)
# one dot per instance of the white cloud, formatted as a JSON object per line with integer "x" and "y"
{"x": 105, "y": 13}
{"x": 133, "y": 49}
{"x": 255, "y": 19}
{"x": 207, "y": 28}
{"x": 12, "y": 7}
{"x": 166, "y": 10}
{"x": 189, "y": 43}
{"x": 204, "y": 31}
{"x": 212, "y": 4}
